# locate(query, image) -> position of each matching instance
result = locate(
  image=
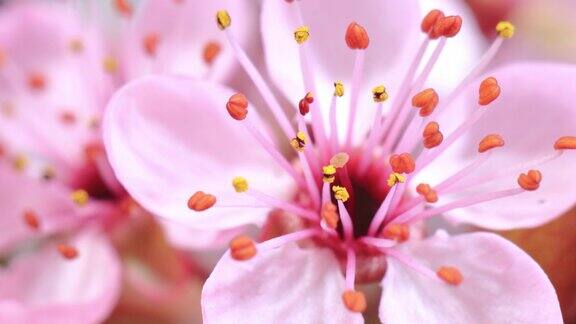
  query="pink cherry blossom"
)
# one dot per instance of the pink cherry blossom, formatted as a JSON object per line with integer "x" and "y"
{"x": 363, "y": 175}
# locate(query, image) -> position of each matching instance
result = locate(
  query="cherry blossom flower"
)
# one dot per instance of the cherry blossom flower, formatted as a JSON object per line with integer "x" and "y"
{"x": 361, "y": 176}
{"x": 60, "y": 199}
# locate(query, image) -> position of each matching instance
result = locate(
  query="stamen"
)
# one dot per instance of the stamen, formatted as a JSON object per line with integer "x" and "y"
{"x": 338, "y": 89}
{"x": 450, "y": 275}
{"x": 211, "y": 51}
{"x": 397, "y": 232}
{"x": 379, "y": 95}
{"x": 48, "y": 173}
{"x": 76, "y": 45}
{"x": 237, "y": 106}
{"x": 80, "y": 197}
{"x": 67, "y": 251}
{"x": 299, "y": 142}
{"x": 36, "y": 81}
{"x": 340, "y": 160}
{"x": 402, "y": 163}
{"x": 20, "y": 162}
{"x": 565, "y": 143}
{"x": 110, "y": 64}
{"x": 301, "y": 34}
{"x": 288, "y": 238}
{"x": 347, "y": 225}
{"x": 240, "y": 184}
{"x": 355, "y": 301}
{"x": 384, "y": 208}
{"x": 150, "y": 44}
{"x": 350, "y": 268}
{"x": 489, "y": 142}
{"x": 489, "y": 91}
{"x": 410, "y": 263}
{"x": 340, "y": 193}
{"x": 223, "y": 19}
{"x": 338, "y": 92}
{"x": 530, "y": 181}
{"x": 330, "y": 215}
{"x": 447, "y": 26}
{"x": 427, "y": 192}
{"x": 124, "y": 7}
{"x": 201, "y": 201}
{"x": 31, "y": 219}
{"x": 67, "y": 117}
{"x": 242, "y": 248}
{"x": 304, "y": 105}
{"x": 357, "y": 37}
{"x": 426, "y": 101}
{"x": 432, "y": 135}
{"x": 505, "y": 29}
{"x": 328, "y": 173}
{"x": 430, "y": 20}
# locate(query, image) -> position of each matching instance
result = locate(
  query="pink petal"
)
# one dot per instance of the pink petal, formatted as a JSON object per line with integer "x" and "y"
{"x": 50, "y": 202}
{"x": 169, "y": 137}
{"x": 393, "y": 28}
{"x": 287, "y": 284}
{"x": 42, "y": 286}
{"x": 501, "y": 284}
{"x": 183, "y": 29}
{"x": 533, "y": 111}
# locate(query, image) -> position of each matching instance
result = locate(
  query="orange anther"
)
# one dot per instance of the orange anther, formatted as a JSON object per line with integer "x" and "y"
{"x": 565, "y": 143}
{"x": 354, "y": 300}
{"x": 530, "y": 181}
{"x": 432, "y": 135}
{"x": 489, "y": 91}
{"x": 489, "y": 142}
{"x": 211, "y": 51}
{"x": 67, "y": 251}
{"x": 430, "y": 20}
{"x": 67, "y": 117}
{"x": 31, "y": 219}
{"x": 446, "y": 26}
{"x": 356, "y": 37}
{"x": 201, "y": 201}
{"x": 426, "y": 100}
{"x": 330, "y": 215}
{"x": 427, "y": 192}
{"x": 237, "y": 106}
{"x": 304, "y": 105}
{"x": 450, "y": 275}
{"x": 402, "y": 163}
{"x": 36, "y": 81}
{"x": 397, "y": 232}
{"x": 242, "y": 248}
{"x": 150, "y": 43}
{"x": 124, "y": 7}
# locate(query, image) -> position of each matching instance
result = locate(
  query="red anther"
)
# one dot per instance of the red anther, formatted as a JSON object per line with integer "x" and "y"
{"x": 450, "y": 275}
{"x": 427, "y": 192}
{"x": 330, "y": 215}
{"x": 448, "y": 26}
{"x": 67, "y": 251}
{"x": 354, "y": 300}
{"x": 402, "y": 163}
{"x": 124, "y": 7}
{"x": 31, "y": 219}
{"x": 489, "y": 91}
{"x": 530, "y": 181}
{"x": 242, "y": 248}
{"x": 150, "y": 44}
{"x": 200, "y": 201}
{"x": 397, "y": 232}
{"x": 36, "y": 81}
{"x": 489, "y": 142}
{"x": 304, "y": 105}
{"x": 356, "y": 37}
{"x": 565, "y": 143}
{"x": 211, "y": 51}
{"x": 430, "y": 20}
{"x": 93, "y": 150}
{"x": 426, "y": 100}
{"x": 67, "y": 117}
{"x": 432, "y": 135}
{"x": 237, "y": 106}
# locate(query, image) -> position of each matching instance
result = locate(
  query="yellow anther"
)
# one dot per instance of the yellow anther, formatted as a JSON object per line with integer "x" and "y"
{"x": 505, "y": 29}
{"x": 395, "y": 178}
{"x": 299, "y": 142}
{"x": 240, "y": 184}
{"x": 20, "y": 162}
{"x": 340, "y": 193}
{"x": 80, "y": 197}
{"x": 338, "y": 88}
{"x": 328, "y": 173}
{"x": 301, "y": 34}
{"x": 339, "y": 160}
{"x": 223, "y": 19}
{"x": 379, "y": 94}
{"x": 110, "y": 64}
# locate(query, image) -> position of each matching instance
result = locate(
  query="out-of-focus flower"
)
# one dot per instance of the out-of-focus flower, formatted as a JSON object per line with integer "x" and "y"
{"x": 354, "y": 194}
{"x": 60, "y": 200}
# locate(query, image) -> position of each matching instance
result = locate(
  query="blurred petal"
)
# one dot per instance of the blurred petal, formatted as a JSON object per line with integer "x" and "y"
{"x": 501, "y": 284}
{"x": 287, "y": 284}
{"x": 169, "y": 137}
